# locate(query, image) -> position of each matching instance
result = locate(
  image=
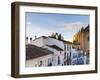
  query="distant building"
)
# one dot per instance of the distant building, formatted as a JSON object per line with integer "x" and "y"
{"x": 77, "y": 57}
{"x": 87, "y": 40}
{"x": 87, "y": 43}
{"x": 82, "y": 37}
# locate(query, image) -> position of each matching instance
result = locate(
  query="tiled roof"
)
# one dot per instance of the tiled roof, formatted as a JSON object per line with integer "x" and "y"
{"x": 40, "y": 37}
{"x": 45, "y": 37}
{"x": 33, "y": 51}
{"x": 55, "y": 47}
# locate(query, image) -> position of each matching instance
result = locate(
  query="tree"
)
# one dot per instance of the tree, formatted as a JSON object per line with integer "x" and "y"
{"x": 76, "y": 42}
{"x": 53, "y": 35}
{"x": 59, "y": 37}
{"x": 56, "y": 36}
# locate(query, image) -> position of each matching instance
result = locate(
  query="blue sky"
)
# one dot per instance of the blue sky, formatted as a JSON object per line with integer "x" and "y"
{"x": 39, "y": 24}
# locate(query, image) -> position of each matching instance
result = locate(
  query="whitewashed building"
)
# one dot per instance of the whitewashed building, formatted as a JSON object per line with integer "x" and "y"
{"x": 61, "y": 49}
{"x": 47, "y": 51}
{"x": 77, "y": 57}
{"x": 37, "y": 56}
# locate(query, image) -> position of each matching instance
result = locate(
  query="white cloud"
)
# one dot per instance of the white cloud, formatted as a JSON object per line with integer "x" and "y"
{"x": 75, "y": 26}
{"x": 67, "y": 30}
{"x": 72, "y": 28}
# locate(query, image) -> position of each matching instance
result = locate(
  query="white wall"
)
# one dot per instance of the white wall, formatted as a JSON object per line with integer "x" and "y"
{"x": 55, "y": 55}
{"x": 33, "y": 62}
{"x": 38, "y": 42}
{"x": 48, "y": 41}
{"x": 51, "y": 41}
{"x": 5, "y": 41}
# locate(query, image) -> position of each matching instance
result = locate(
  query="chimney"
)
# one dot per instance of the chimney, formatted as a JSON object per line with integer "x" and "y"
{"x": 30, "y": 40}
{"x": 35, "y": 36}
{"x": 26, "y": 40}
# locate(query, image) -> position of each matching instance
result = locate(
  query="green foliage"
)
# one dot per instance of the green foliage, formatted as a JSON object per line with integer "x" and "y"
{"x": 76, "y": 42}
{"x": 56, "y": 36}
{"x": 59, "y": 37}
